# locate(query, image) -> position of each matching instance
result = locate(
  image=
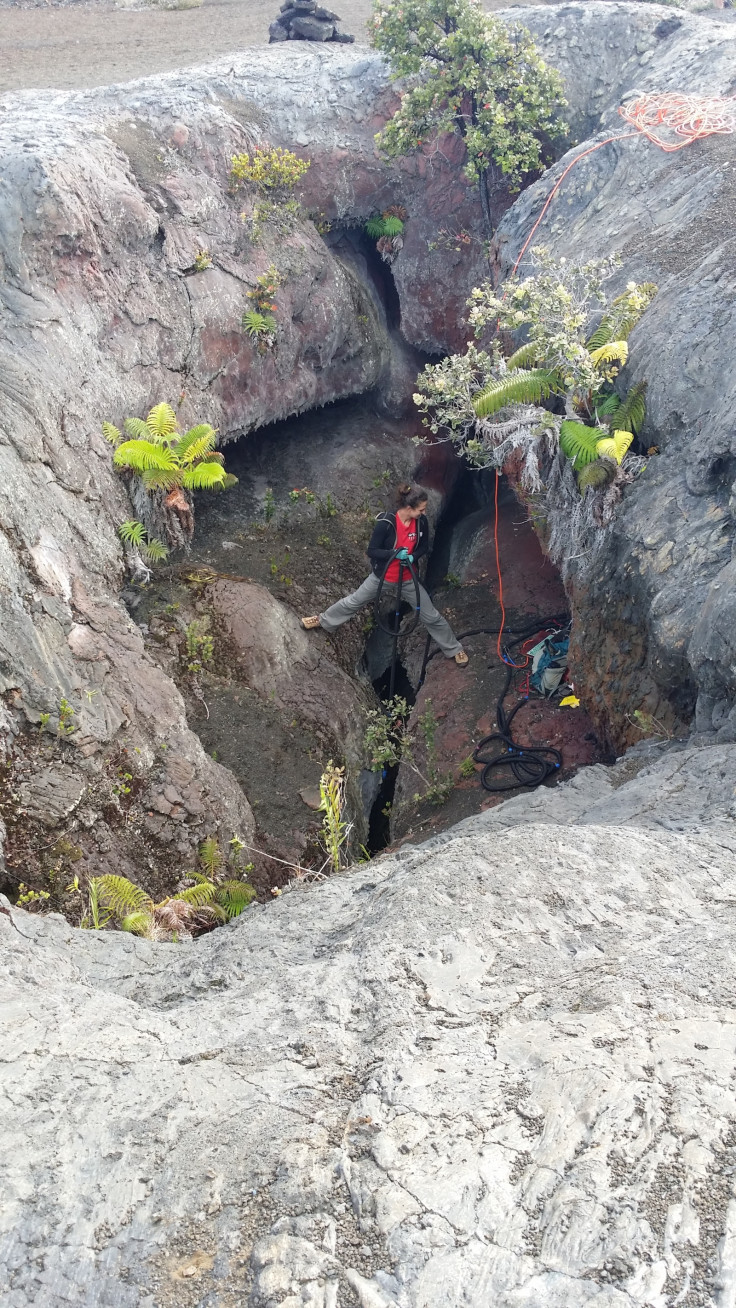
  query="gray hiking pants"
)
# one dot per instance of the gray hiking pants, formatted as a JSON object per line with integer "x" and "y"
{"x": 436, "y": 625}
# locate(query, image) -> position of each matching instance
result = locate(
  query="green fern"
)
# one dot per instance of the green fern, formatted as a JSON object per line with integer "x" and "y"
{"x": 258, "y": 324}
{"x": 631, "y": 412}
{"x": 134, "y": 533}
{"x": 154, "y": 550}
{"x": 195, "y": 443}
{"x": 596, "y": 474}
{"x": 210, "y": 857}
{"x": 158, "y": 480}
{"x": 608, "y": 406}
{"x": 122, "y": 896}
{"x": 139, "y": 923}
{"x": 519, "y": 387}
{"x": 375, "y": 228}
{"x": 235, "y": 896}
{"x": 205, "y": 892}
{"x": 624, "y": 314}
{"x": 579, "y": 443}
{"x": 161, "y": 421}
{"x": 137, "y": 429}
{"x": 111, "y": 433}
{"x": 143, "y": 456}
{"x": 525, "y": 355}
{"x": 203, "y": 477}
{"x": 392, "y": 226}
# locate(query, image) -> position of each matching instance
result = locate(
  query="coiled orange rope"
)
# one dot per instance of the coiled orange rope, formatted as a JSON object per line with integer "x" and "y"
{"x": 662, "y": 118}
{"x": 665, "y": 117}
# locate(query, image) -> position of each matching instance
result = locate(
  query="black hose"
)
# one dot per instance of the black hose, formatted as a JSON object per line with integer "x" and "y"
{"x": 394, "y": 629}
{"x": 509, "y": 765}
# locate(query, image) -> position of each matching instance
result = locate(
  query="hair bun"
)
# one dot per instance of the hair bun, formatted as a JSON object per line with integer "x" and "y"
{"x": 404, "y": 488}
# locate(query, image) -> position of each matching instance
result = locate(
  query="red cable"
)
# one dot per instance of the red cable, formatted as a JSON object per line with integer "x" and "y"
{"x": 621, "y": 136}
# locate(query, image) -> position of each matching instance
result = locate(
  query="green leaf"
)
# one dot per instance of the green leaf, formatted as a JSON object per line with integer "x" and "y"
{"x": 632, "y": 411}
{"x": 139, "y": 923}
{"x": 518, "y": 387}
{"x": 522, "y": 357}
{"x": 154, "y": 550}
{"x": 203, "y": 477}
{"x": 392, "y": 225}
{"x": 235, "y": 896}
{"x": 615, "y": 447}
{"x": 133, "y": 532}
{"x": 608, "y": 406}
{"x": 197, "y": 442}
{"x": 137, "y": 428}
{"x": 160, "y": 479}
{"x": 375, "y": 228}
{"x": 122, "y": 896}
{"x": 161, "y": 422}
{"x": 203, "y": 893}
{"x": 141, "y": 455}
{"x": 111, "y": 433}
{"x": 579, "y": 443}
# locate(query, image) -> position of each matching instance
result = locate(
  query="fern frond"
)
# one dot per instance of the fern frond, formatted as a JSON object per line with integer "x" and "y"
{"x": 195, "y": 443}
{"x": 518, "y": 387}
{"x": 596, "y": 474}
{"x": 235, "y": 896}
{"x": 375, "y": 228}
{"x": 112, "y": 435}
{"x": 139, "y": 923}
{"x": 579, "y": 443}
{"x": 392, "y": 226}
{"x": 158, "y": 479}
{"x": 205, "y": 892}
{"x": 210, "y": 856}
{"x": 522, "y": 357}
{"x": 615, "y": 447}
{"x": 203, "y": 477}
{"x": 161, "y": 422}
{"x": 136, "y": 428}
{"x": 612, "y": 352}
{"x": 154, "y": 550}
{"x": 132, "y": 532}
{"x": 142, "y": 455}
{"x": 633, "y": 409}
{"x": 122, "y": 896}
{"x": 228, "y": 480}
{"x": 608, "y": 406}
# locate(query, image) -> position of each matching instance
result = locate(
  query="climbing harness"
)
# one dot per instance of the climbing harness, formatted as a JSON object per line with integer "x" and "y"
{"x": 393, "y": 626}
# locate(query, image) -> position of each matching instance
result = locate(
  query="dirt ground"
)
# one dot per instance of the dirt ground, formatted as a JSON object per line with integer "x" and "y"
{"x": 92, "y": 44}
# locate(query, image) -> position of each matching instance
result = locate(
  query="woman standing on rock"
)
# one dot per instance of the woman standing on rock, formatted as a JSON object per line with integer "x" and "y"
{"x": 401, "y": 535}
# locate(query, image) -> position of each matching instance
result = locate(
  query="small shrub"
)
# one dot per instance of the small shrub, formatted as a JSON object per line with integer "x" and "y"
{"x": 269, "y": 504}
{"x": 202, "y": 261}
{"x": 272, "y": 169}
{"x": 335, "y": 830}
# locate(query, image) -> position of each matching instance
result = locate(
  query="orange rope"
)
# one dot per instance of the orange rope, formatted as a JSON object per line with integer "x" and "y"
{"x": 690, "y": 117}
{"x": 620, "y": 136}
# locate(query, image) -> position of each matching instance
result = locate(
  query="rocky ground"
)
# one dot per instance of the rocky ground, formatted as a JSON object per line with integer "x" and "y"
{"x": 494, "y": 1068}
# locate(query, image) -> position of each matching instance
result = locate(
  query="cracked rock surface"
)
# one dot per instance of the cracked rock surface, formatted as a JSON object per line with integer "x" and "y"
{"x": 655, "y": 609}
{"x": 493, "y": 1069}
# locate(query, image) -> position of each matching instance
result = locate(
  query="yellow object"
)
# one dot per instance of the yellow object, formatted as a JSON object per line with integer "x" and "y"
{"x": 616, "y": 446}
{"x": 570, "y": 701}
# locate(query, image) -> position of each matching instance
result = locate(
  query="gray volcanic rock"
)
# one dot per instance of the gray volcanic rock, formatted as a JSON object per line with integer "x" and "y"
{"x": 654, "y": 610}
{"x": 493, "y": 1069}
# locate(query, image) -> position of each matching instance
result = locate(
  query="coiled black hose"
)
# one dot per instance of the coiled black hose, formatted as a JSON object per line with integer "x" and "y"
{"x": 509, "y": 765}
